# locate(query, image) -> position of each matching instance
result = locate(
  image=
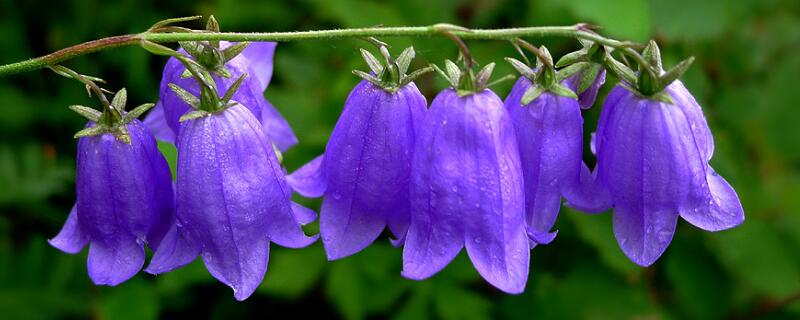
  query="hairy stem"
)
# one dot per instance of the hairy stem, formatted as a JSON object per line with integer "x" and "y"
{"x": 575, "y": 31}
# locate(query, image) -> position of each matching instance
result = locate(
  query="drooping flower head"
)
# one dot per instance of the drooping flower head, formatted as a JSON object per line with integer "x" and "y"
{"x": 466, "y": 189}
{"x": 226, "y": 62}
{"x": 365, "y": 170}
{"x": 124, "y": 194}
{"x": 232, "y": 198}
{"x": 588, "y": 74}
{"x": 549, "y": 129}
{"x": 653, "y": 150}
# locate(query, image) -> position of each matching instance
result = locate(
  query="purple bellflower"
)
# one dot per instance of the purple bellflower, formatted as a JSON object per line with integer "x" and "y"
{"x": 653, "y": 156}
{"x": 255, "y": 60}
{"x": 549, "y": 128}
{"x": 124, "y": 195}
{"x": 232, "y": 198}
{"x": 467, "y": 189}
{"x": 364, "y": 173}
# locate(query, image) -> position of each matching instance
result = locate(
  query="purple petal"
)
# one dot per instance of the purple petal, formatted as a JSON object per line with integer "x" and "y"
{"x": 467, "y": 187}
{"x": 309, "y": 181}
{"x": 549, "y": 132}
{"x": 542, "y": 237}
{"x": 175, "y": 251}
{"x": 694, "y": 115}
{"x": 259, "y": 57}
{"x": 367, "y": 164}
{"x": 276, "y": 127}
{"x": 645, "y": 171}
{"x": 302, "y": 214}
{"x": 71, "y": 239}
{"x": 233, "y": 198}
{"x": 723, "y": 212}
{"x": 590, "y": 195}
{"x": 113, "y": 261}
{"x": 156, "y": 122}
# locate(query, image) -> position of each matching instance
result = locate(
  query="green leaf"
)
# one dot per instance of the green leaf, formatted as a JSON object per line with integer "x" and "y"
{"x": 233, "y": 88}
{"x": 195, "y": 114}
{"x": 523, "y": 69}
{"x": 563, "y": 91}
{"x": 137, "y": 112}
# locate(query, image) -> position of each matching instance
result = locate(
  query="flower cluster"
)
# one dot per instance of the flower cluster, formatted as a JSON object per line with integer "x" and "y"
{"x": 472, "y": 171}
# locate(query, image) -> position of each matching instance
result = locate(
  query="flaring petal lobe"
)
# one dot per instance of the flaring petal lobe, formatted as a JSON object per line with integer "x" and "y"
{"x": 71, "y": 239}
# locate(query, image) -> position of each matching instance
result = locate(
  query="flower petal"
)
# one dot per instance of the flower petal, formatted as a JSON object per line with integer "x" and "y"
{"x": 590, "y": 195}
{"x": 302, "y": 214}
{"x": 276, "y": 127}
{"x": 259, "y": 56}
{"x": 367, "y": 163}
{"x": 549, "y": 132}
{"x": 71, "y": 239}
{"x": 309, "y": 180}
{"x": 642, "y": 166}
{"x": 723, "y": 212}
{"x": 175, "y": 251}
{"x": 113, "y": 261}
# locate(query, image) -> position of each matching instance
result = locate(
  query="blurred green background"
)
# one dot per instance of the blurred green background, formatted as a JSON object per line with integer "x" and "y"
{"x": 745, "y": 76}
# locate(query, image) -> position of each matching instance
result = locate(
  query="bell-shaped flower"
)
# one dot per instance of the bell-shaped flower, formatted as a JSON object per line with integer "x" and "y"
{"x": 364, "y": 173}
{"x": 653, "y": 159}
{"x": 549, "y": 132}
{"x": 549, "y": 129}
{"x": 232, "y": 198}
{"x": 467, "y": 190}
{"x": 226, "y": 63}
{"x": 124, "y": 195}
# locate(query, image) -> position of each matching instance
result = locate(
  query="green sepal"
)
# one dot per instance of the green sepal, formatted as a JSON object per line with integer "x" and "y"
{"x": 231, "y": 52}
{"x": 372, "y": 62}
{"x": 571, "y": 70}
{"x": 652, "y": 54}
{"x": 137, "y": 112}
{"x": 563, "y": 91}
{"x": 186, "y": 96}
{"x": 482, "y": 78}
{"x": 166, "y": 22}
{"x": 620, "y": 70}
{"x": 588, "y": 77}
{"x": 522, "y": 68}
{"x": 366, "y": 76}
{"x": 194, "y": 114}
{"x": 676, "y": 72}
{"x": 157, "y": 49}
{"x": 88, "y": 113}
{"x": 571, "y": 58}
{"x": 403, "y": 61}
{"x": 453, "y": 72}
{"x": 213, "y": 26}
{"x": 120, "y": 99}
{"x": 404, "y": 80}
{"x": 531, "y": 94}
{"x": 232, "y": 89}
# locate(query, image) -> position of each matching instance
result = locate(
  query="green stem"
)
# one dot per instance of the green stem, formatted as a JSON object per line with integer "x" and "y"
{"x": 575, "y": 31}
